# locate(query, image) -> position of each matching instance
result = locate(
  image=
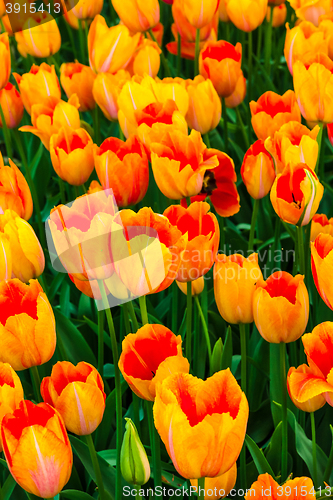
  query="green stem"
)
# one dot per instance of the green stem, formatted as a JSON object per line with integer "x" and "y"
{"x": 100, "y": 315}
{"x": 155, "y": 445}
{"x": 225, "y": 125}
{"x": 242, "y": 333}
{"x": 284, "y": 454}
{"x": 95, "y": 117}
{"x": 36, "y": 382}
{"x": 259, "y": 43}
{"x": 222, "y": 233}
{"x": 253, "y": 224}
{"x": 6, "y": 135}
{"x": 268, "y": 43}
{"x": 32, "y": 187}
{"x": 163, "y": 58}
{"x": 51, "y": 61}
{"x": 206, "y": 333}
{"x": 143, "y": 309}
{"x": 197, "y": 52}
{"x": 94, "y": 459}
{"x": 201, "y": 488}
{"x": 314, "y": 448}
{"x": 71, "y": 37}
{"x": 137, "y": 488}
{"x": 81, "y": 41}
{"x": 318, "y": 166}
{"x": 179, "y": 54}
{"x": 296, "y": 253}
{"x": 188, "y": 320}
{"x": 242, "y": 128}
{"x": 301, "y": 250}
{"x": 62, "y": 191}
{"x": 329, "y": 465}
{"x": 206, "y": 140}
{"x": 174, "y": 320}
{"x": 133, "y": 316}
{"x": 114, "y": 348}
{"x": 126, "y": 318}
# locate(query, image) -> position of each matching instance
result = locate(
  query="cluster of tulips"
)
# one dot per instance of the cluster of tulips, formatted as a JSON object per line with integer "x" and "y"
{"x": 202, "y": 422}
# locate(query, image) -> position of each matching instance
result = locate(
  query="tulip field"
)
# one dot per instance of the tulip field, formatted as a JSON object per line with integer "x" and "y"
{"x": 166, "y": 249}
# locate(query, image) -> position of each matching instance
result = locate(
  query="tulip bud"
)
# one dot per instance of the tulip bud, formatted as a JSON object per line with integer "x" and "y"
{"x": 78, "y": 79}
{"x": 134, "y": 462}
{"x": 12, "y": 106}
{"x": 5, "y": 60}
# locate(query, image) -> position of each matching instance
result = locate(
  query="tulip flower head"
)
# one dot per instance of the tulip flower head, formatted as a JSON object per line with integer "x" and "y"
{"x": 106, "y": 90}
{"x": 311, "y": 10}
{"x": 279, "y": 15}
{"x": 46, "y": 467}
{"x": 197, "y": 286}
{"x": 5, "y": 60}
{"x": 246, "y": 15}
{"x": 281, "y": 307}
{"x": 78, "y": 79}
{"x": 203, "y": 435}
{"x": 297, "y": 488}
{"x": 204, "y": 111}
{"x": 149, "y": 356}
{"x": 258, "y": 171}
{"x": 238, "y": 95}
{"x": 296, "y": 376}
{"x": 147, "y": 59}
{"x": 83, "y": 9}
{"x": 39, "y": 37}
{"x": 134, "y": 462}
{"x": 77, "y": 393}
{"x": 14, "y": 191}
{"x": 321, "y": 265}
{"x": 11, "y": 105}
{"x": 296, "y": 194}
{"x": 321, "y": 224}
{"x": 136, "y": 15}
{"x": 11, "y": 391}
{"x": 214, "y": 486}
{"x": 199, "y": 14}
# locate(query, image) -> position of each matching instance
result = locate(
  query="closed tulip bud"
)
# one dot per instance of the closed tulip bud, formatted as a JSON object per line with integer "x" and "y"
{"x": 296, "y": 375}
{"x": 199, "y": 14}
{"x": 321, "y": 224}
{"x": 214, "y": 486}
{"x": 24, "y": 258}
{"x": 12, "y": 106}
{"x": 281, "y": 307}
{"x": 271, "y": 111}
{"x": 197, "y": 286}
{"x": 72, "y": 155}
{"x": 246, "y": 15}
{"x": 5, "y": 60}
{"x": 279, "y": 15}
{"x": 147, "y": 59}
{"x": 136, "y": 15}
{"x": 313, "y": 84}
{"x": 78, "y": 79}
{"x": 311, "y": 10}
{"x": 204, "y": 111}
{"x": 77, "y": 393}
{"x": 235, "y": 279}
{"x": 14, "y": 191}
{"x": 134, "y": 463}
{"x": 106, "y": 90}
{"x": 238, "y": 95}
{"x": 11, "y": 392}
{"x": 221, "y": 62}
{"x": 39, "y": 83}
{"x": 302, "y": 40}
{"x": 293, "y": 143}
{"x": 110, "y": 49}
{"x": 27, "y": 325}
{"x": 296, "y": 194}
{"x": 85, "y": 9}
{"x": 178, "y": 164}
{"x": 42, "y": 39}
{"x": 321, "y": 265}
{"x": 258, "y": 171}
{"x": 50, "y": 115}
{"x": 123, "y": 167}
{"x": 37, "y": 449}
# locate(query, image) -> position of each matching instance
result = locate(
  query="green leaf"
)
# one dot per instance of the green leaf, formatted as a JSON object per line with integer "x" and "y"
{"x": 227, "y": 350}
{"x": 258, "y": 457}
{"x": 36, "y": 159}
{"x": 94, "y": 328}
{"x": 75, "y": 495}
{"x": 8, "y": 487}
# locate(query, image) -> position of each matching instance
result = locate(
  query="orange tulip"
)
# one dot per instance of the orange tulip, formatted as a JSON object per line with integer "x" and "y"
{"x": 311, "y": 10}
{"x": 14, "y": 191}
{"x": 73, "y": 20}
{"x": 37, "y": 449}
{"x": 178, "y": 164}
{"x": 106, "y": 90}
{"x": 197, "y": 286}
{"x": 123, "y": 167}
{"x": 321, "y": 224}
{"x": 296, "y": 489}
{"x": 21, "y": 254}
{"x": 296, "y": 194}
{"x": 297, "y": 375}
{"x": 321, "y": 265}
{"x": 11, "y": 392}
{"x": 110, "y": 49}
{"x": 303, "y": 40}
{"x": 136, "y": 15}
{"x": 279, "y": 15}
{"x": 147, "y": 59}
{"x": 271, "y": 111}
{"x": 50, "y": 115}
{"x": 162, "y": 260}
{"x": 149, "y": 356}
{"x": 204, "y": 111}
{"x": 221, "y": 62}
{"x": 258, "y": 171}
{"x": 39, "y": 83}
{"x": 219, "y": 487}
{"x": 27, "y": 325}
{"x": 238, "y": 95}
{"x": 78, "y": 79}
{"x": 77, "y": 393}
{"x": 40, "y": 36}
{"x": 184, "y": 28}
{"x": 246, "y": 15}
{"x": 313, "y": 84}
{"x": 72, "y": 155}
{"x": 281, "y": 307}
{"x": 307, "y": 383}
{"x": 199, "y": 14}
{"x": 83, "y": 9}
{"x": 235, "y": 279}
{"x": 5, "y": 60}
{"x": 199, "y": 444}
{"x": 12, "y": 106}
{"x": 293, "y": 143}
{"x": 203, "y": 237}
{"x": 220, "y": 185}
